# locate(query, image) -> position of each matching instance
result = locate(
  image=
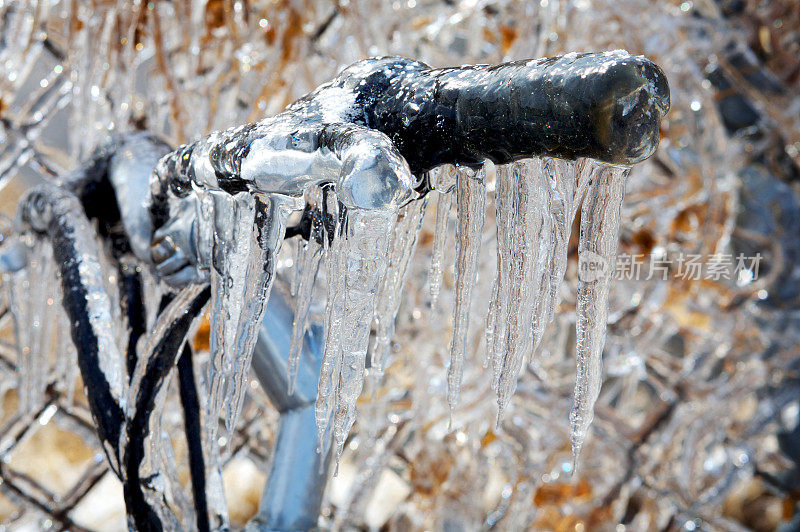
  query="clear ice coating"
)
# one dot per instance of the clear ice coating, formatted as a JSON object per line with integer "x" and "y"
{"x": 597, "y": 250}
{"x": 162, "y": 490}
{"x": 328, "y": 137}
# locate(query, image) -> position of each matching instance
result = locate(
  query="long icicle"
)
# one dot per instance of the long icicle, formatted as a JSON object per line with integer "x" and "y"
{"x": 306, "y": 276}
{"x": 584, "y": 173}
{"x": 443, "y": 180}
{"x": 308, "y": 259}
{"x": 387, "y": 304}
{"x": 547, "y": 247}
{"x": 367, "y": 236}
{"x": 215, "y": 371}
{"x": 247, "y": 233}
{"x": 560, "y": 176}
{"x": 238, "y": 295}
{"x": 526, "y": 273}
{"x": 597, "y": 248}
{"x": 443, "y": 204}
{"x": 222, "y": 219}
{"x": 505, "y": 208}
{"x": 471, "y": 209}
{"x": 266, "y": 231}
{"x": 329, "y": 370}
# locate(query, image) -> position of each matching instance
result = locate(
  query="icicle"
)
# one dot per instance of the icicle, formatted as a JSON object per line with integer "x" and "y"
{"x": 585, "y": 170}
{"x": 599, "y": 235}
{"x": 366, "y": 248}
{"x": 491, "y": 322}
{"x": 331, "y": 359}
{"x": 308, "y": 258}
{"x": 265, "y": 236}
{"x": 443, "y": 204}
{"x": 35, "y": 313}
{"x": 497, "y": 324}
{"x": 404, "y": 244}
{"x": 546, "y": 253}
{"x": 357, "y": 262}
{"x": 443, "y": 180}
{"x": 247, "y": 233}
{"x": 307, "y": 274}
{"x": 526, "y": 247}
{"x": 299, "y": 259}
{"x": 471, "y": 208}
{"x": 561, "y": 177}
{"x": 307, "y": 270}
{"x": 225, "y": 307}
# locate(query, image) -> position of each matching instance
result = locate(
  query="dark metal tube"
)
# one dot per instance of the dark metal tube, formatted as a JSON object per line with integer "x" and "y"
{"x": 607, "y": 106}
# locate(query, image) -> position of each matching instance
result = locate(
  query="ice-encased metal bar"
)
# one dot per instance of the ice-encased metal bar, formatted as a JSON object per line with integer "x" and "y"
{"x": 190, "y": 401}
{"x": 56, "y": 214}
{"x": 132, "y": 299}
{"x": 285, "y": 157}
{"x": 361, "y": 129}
{"x": 606, "y": 106}
{"x": 161, "y": 356}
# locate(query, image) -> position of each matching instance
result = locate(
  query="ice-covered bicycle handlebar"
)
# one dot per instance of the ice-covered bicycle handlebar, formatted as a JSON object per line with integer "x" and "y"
{"x": 216, "y": 210}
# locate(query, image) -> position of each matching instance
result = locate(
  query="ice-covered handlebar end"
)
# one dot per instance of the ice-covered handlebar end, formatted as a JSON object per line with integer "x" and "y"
{"x": 605, "y": 106}
{"x": 373, "y": 174}
{"x": 634, "y": 97}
